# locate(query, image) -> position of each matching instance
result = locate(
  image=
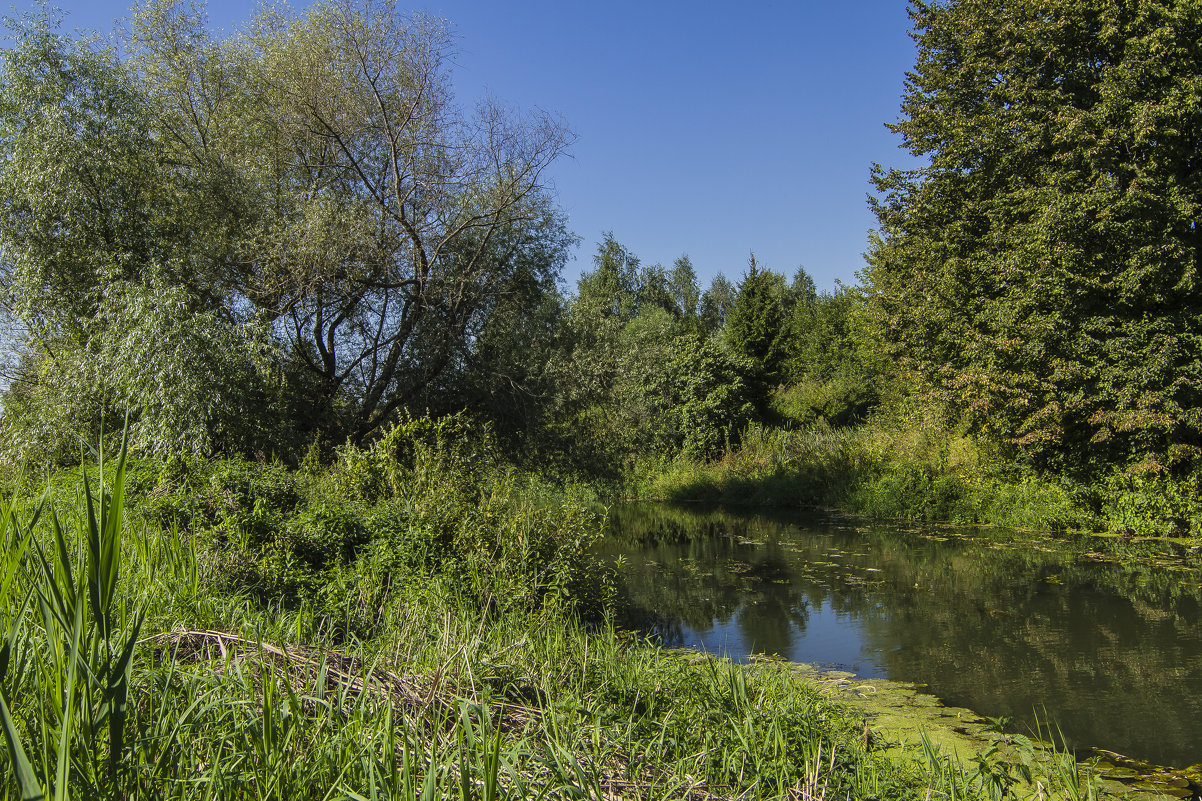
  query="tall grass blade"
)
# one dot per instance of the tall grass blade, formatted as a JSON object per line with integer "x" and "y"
{"x": 430, "y": 785}
{"x": 15, "y": 555}
{"x": 117, "y": 697}
{"x": 55, "y": 578}
{"x": 492, "y": 766}
{"x": 94, "y": 558}
{"x": 104, "y": 566}
{"x": 27, "y": 782}
{"x": 68, "y": 718}
{"x": 10, "y": 641}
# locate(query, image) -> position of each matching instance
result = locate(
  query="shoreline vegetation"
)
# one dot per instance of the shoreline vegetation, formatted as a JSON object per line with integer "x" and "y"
{"x": 915, "y": 469}
{"x": 224, "y": 628}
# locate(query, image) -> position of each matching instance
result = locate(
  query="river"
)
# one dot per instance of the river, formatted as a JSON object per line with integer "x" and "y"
{"x": 1109, "y": 651}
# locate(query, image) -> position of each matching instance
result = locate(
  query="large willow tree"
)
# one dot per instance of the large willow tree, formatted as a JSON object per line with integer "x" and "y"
{"x": 1042, "y": 272}
{"x": 295, "y": 224}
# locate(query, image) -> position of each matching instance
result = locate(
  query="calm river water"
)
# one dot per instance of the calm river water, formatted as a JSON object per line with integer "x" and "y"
{"x": 1111, "y": 653}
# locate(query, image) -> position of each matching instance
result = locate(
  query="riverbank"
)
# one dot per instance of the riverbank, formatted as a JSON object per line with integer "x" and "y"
{"x": 916, "y": 469}
{"x": 404, "y": 623}
{"x": 235, "y": 630}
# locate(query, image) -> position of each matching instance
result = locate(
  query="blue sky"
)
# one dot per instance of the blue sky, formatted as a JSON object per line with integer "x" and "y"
{"x": 712, "y": 129}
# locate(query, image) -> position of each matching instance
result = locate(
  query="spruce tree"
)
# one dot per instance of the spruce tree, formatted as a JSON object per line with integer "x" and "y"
{"x": 755, "y": 330}
{"x": 1042, "y": 271}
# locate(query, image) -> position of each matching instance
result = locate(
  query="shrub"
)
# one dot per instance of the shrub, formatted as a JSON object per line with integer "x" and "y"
{"x": 844, "y": 400}
{"x": 1149, "y": 500}
{"x": 324, "y": 534}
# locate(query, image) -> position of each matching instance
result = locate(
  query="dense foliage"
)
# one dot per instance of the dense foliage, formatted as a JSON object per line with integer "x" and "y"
{"x": 280, "y": 237}
{"x": 290, "y": 239}
{"x": 1041, "y": 273}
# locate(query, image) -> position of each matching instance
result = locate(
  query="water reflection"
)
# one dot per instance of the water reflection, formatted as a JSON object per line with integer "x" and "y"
{"x": 1002, "y": 625}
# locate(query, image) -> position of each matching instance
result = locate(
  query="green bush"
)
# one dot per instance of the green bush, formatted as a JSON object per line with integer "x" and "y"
{"x": 400, "y": 541}
{"x": 905, "y": 492}
{"x": 324, "y": 534}
{"x": 427, "y": 500}
{"x": 844, "y": 400}
{"x": 1151, "y": 501}
{"x": 237, "y": 485}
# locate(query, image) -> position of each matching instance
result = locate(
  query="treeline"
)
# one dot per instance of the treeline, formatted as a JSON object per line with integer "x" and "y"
{"x": 641, "y": 363}
{"x": 287, "y": 240}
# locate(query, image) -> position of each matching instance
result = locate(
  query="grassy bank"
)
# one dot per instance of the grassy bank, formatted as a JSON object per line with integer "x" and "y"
{"x": 401, "y": 625}
{"x": 918, "y": 470}
{"x": 405, "y": 623}
{"x": 874, "y": 470}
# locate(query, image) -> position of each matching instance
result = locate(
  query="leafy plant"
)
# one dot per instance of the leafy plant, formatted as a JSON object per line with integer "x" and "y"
{"x": 83, "y": 664}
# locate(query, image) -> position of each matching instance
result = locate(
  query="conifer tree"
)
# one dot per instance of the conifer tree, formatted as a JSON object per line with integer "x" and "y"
{"x": 755, "y": 330}
{"x": 1042, "y": 271}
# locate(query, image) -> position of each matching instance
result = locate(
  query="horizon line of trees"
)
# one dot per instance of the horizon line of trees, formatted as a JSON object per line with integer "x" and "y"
{"x": 293, "y": 236}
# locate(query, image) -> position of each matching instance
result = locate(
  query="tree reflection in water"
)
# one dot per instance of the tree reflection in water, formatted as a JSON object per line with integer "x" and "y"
{"x": 996, "y": 622}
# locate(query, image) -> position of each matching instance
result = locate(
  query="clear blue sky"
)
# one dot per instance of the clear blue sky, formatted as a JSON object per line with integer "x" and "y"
{"x": 705, "y": 128}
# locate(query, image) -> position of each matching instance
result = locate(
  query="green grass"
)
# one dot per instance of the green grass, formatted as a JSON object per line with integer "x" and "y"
{"x": 394, "y": 627}
{"x": 878, "y": 470}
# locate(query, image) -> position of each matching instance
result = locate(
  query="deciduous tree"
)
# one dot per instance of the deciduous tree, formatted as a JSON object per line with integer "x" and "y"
{"x": 682, "y": 282}
{"x": 113, "y": 288}
{"x": 307, "y": 186}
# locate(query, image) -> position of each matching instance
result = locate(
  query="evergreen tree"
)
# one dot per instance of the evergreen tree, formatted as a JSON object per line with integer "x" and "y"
{"x": 756, "y": 331}
{"x": 1042, "y": 271}
{"x": 803, "y": 292}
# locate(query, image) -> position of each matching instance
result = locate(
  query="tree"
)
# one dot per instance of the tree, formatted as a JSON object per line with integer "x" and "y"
{"x": 510, "y": 374}
{"x": 110, "y": 284}
{"x": 834, "y": 364}
{"x": 756, "y": 331}
{"x": 803, "y": 292}
{"x": 655, "y": 291}
{"x": 308, "y": 185}
{"x": 635, "y": 376}
{"x": 682, "y": 282}
{"x": 803, "y": 312}
{"x": 708, "y": 394}
{"x": 1042, "y": 271}
{"x": 611, "y": 288}
{"x": 399, "y": 221}
{"x": 716, "y": 303}
{"x": 79, "y": 198}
